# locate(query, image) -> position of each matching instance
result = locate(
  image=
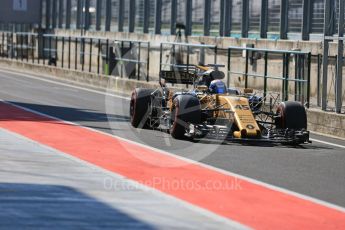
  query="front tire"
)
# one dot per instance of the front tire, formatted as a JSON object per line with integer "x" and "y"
{"x": 291, "y": 115}
{"x": 185, "y": 110}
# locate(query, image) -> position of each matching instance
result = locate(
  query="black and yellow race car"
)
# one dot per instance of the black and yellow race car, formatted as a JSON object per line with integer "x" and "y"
{"x": 211, "y": 110}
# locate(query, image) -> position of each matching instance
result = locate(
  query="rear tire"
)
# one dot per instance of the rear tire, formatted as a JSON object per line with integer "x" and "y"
{"x": 291, "y": 115}
{"x": 185, "y": 110}
{"x": 140, "y": 105}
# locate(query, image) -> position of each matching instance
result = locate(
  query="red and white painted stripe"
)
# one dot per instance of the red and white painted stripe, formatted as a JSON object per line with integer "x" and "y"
{"x": 251, "y": 204}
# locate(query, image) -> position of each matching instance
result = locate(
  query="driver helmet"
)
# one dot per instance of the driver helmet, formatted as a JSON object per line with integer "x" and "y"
{"x": 218, "y": 87}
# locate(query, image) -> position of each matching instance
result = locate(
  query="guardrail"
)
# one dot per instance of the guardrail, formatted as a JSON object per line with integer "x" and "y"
{"x": 301, "y": 78}
{"x": 93, "y": 54}
{"x": 131, "y": 59}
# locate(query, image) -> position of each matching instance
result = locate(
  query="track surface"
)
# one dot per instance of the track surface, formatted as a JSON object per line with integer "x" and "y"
{"x": 315, "y": 170}
{"x": 42, "y": 188}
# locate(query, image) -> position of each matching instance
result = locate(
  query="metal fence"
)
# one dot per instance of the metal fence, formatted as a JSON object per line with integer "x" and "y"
{"x": 335, "y": 19}
{"x": 297, "y": 83}
{"x": 285, "y": 72}
{"x": 238, "y": 18}
{"x": 123, "y": 58}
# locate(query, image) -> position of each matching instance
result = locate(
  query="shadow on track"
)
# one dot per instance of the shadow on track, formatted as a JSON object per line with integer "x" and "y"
{"x": 70, "y": 114}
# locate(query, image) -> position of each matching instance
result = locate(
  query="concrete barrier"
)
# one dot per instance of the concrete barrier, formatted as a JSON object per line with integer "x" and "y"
{"x": 326, "y": 123}
{"x": 318, "y": 121}
{"x": 101, "y": 82}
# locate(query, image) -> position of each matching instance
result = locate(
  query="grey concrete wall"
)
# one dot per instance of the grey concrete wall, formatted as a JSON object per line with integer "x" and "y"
{"x": 326, "y": 122}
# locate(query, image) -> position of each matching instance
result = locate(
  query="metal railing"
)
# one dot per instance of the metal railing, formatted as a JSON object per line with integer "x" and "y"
{"x": 300, "y": 80}
{"x": 240, "y": 18}
{"x": 91, "y": 54}
{"x": 131, "y": 59}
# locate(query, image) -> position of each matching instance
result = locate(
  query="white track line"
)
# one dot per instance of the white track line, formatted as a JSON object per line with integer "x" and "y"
{"x": 328, "y": 143}
{"x": 251, "y": 180}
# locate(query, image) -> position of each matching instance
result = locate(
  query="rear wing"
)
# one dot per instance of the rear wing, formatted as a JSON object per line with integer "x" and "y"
{"x": 178, "y": 77}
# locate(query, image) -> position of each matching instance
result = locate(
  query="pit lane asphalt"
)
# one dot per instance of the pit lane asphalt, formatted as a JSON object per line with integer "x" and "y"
{"x": 315, "y": 170}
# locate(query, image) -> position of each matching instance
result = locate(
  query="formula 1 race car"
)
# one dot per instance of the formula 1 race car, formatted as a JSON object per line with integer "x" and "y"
{"x": 211, "y": 110}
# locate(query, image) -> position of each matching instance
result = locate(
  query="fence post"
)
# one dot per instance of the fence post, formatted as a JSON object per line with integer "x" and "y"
{"x": 245, "y": 18}
{"x": 107, "y": 15}
{"x": 87, "y": 15}
{"x": 82, "y": 53}
{"x": 69, "y": 52}
{"x": 54, "y": 9}
{"x": 68, "y": 14}
{"x": 246, "y": 70}
{"x": 44, "y": 49}
{"x": 307, "y": 18}
{"x": 284, "y": 9}
{"x": 173, "y": 17}
{"x": 98, "y": 14}
{"x": 263, "y": 19}
{"x": 90, "y": 56}
{"x": 107, "y": 56}
{"x": 188, "y": 11}
{"x": 56, "y": 49}
{"x": 319, "y": 64}
{"x": 265, "y": 74}
{"x": 285, "y": 81}
{"x": 309, "y": 73}
{"x": 139, "y": 53}
{"x": 61, "y": 8}
{"x": 27, "y": 47}
{"x": 227, "y": 18}
{"x": 339, "y": 76}
{"x": 158, "y": 17}
{"x": 6, "y": 45}
{"x": 229, "y": 68}
{"x": 207, "y": 17}
{"x": 50, "y": 48}
{"x": 132, "y": 12}
{"x": 22, "y": 46}
{"x": 12, "y": 46}
{"x": 63, "y": 52}
{"x": 148, "y": 63}
{"x": 48, "y": 13}
{"x": 32, "y": 47}
{"x": 121, "y": 15}
{"x": 122, "y": 63}
{"x": 98, "y": 54}
{"x": 160, "y": 59}
{"x": 287, "y": 76}
{"x": 221, "y": 19}
{"x": 76, "y": 53}
{"x": 146, "y": 16}
{"x": 79, "y": 13}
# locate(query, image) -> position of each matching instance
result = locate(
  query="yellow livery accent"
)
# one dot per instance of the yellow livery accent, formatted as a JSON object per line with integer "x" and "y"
{"x": 244, "y": 118}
